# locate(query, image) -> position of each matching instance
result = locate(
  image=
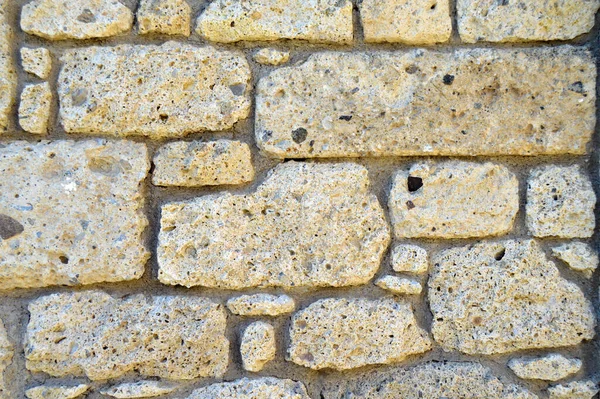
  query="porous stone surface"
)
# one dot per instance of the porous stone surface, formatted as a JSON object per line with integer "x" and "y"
{"x": 319, "y": 21}
{"x": 8, "y": 75}
{"x": 168, "y": 17}
{"x": 406, "y": 21}
{"x": 257, "y": 346}
{"x": 6, "y": 358}
{"x": 107, "y": 90}
{"x": 579, "y": 256}
{"x": 271, "y": 56}
{"x": 57, "y": 392}
{"x": 195, "y": 163}
{"x": 92, "y": 334}
{"x": 34, "y": 108}
{"x": 343, "y": 333}
{"x": 560, "y": 202}
{"x": 260, "y": 388}
{"x": 500, "y": 297}
{"x": 453, "y": 199}
{"x": 261, "y": 305}
{"x": 36, "y": 61}
{"x": 464, "y": 102}
{"x": 409, "y": 259}
{"x": 513, "y": 21}
{"x": 306, "y": 225}
{"x": 399, "y": 285}
{"x": 574, "y": 390}
{"x": 81, "y": 19}
{"x": 552, "y": 367}
{"x": 71, "y": 212}
{"x": 139, "y": 389}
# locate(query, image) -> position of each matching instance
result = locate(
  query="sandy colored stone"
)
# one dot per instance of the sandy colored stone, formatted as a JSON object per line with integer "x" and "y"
{"x": 92, "y": 334}
{"x": 343, "y": 333}
{"x": 464, "y": 102}
{"x": 552, "y": 367}
{"x": 36, "y": 61}
{"x": 258, "y": 346}
{"x": 195, "y": 163}
{"x": 579, "y": 256}
{"x": 261, "y": 305}
{"x": 500, "y": 297}
{"x": 71, "y": 212}
{"x": 34, "y": 108}
{"x": 318, "y": 21}
{"x": 81, "y": 19}
{"x": 514, "y": 21}
{"x": 399, "y": 285}
{"x": 271, "y": 56}
{"x": 8, "y": 74}
{"x": 139, "y": 389}
{"x": 6, "y": 356}
{"x": 560, "y": 202}
{"x": 169, "y": 17}
{"x": 245, "y": 388}
{"x": 406, "y": 21}
{"x": 121, "y": 91}
{"x": 453, "y": 199}
{"x": 306, "y": 225}
{"x": 56, "y": 392}
{"x": 574, "y": 390}
{"x": 409, "y": 259}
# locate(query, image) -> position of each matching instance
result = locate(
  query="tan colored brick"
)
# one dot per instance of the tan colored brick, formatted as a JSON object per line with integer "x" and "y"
{"x": 169, "y": 17}
{"x": 399, "y": 285}
{"x": 574, "y": 390}
{"x": 552, "y": 367}
{"x": 56, "y": 392}
{"x": 579, "y": 256}
{"x": 245, "y": 388}
{"x": 6, "y": 358}
{"x": 36, "y": 61}
{"x": 261, "y": 305}
{"x": 34, "y": 108}
{"x": 139, "y": 389}
{"x": 410, "y": 259}
{"x": 271, "y": 56}
{"x": 8, "y": 75}
{"x": 258, "y": 346}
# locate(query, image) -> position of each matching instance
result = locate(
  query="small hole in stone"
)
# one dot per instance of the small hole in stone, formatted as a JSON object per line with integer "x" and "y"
{"x": 164, "y": 117}
{"x": 64, "y": 260}
{"x": 433, "y": 6}
{"x": 500, "y": 254}
{"x": 414, "y": 183}
{"x": 232, "y": 24}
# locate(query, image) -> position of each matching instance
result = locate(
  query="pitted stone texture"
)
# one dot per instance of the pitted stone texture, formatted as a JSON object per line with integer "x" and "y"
{"x": 552, "y": 367}
{"x": 500, "y": 297}
{"x": 120, "y": 91}
{"x": 348, "y": 333}
{"x": 258, "y": 346}
{"x": 57, "y": 392}
{"x": 410, "y": 259}
{"x": 245, "y": 388}
{"x": 579, "y": 256}
{"x": 8, "y": 75}
{"x": 71, "y": 212}
{"x": 34, "y": 108}
{"x": 399, "y": 285}
{"x": 93, "y": 334}
{"x": 169, "y": 17}
{"x": 513, "y": 21}
{"x": 406, "y": 21}
{"x": 139, "y": 389}
{"x": 306, "y": 225}
{"x": 433, "y": 380}
{"x": 560, "y": 202}
{"x": 271, "y": 56}
{"x": 81, "y": 19}
{"x": 466, "y": 102}
{"x": 6, "y": 355}
{"x": 319, "y": 21}
{"x": 261, "y": 305}
{"x": 36, "y": 61}
{"x": 192, "y": 164}
{"x": 574, "y": 390}
{"x": 453, "y": 199}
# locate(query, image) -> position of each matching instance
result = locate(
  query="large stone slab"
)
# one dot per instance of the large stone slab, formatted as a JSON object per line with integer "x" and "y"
{"x": 500, "y": 297}
{"x": 93, "y": 334}
{"x": 306, "y": 225}
{"x": 158, "y": 91}
{"x": 465, "y": 102}
{"x": 71, "y": 212}
{"x": 245, "y": 388}
{"x": 8, "y": 75}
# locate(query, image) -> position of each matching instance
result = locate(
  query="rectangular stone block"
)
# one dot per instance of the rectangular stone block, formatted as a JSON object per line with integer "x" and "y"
{"x": 8, "y": 75}
{"x": 466, "y": 102}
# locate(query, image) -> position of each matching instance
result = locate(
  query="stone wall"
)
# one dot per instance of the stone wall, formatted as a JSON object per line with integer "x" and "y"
{"x": 325, "y": 199}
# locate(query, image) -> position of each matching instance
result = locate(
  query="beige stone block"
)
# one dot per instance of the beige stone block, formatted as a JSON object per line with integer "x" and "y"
{"x": 169, "y": 17}
{"x": 271, "y": 56}
{"x": 409, "y": 259}
{"x": 399, "y": 285}
{"x": 258, "y": 346}
{"x": 261, "y": 305}
{"x": 578, "y": 256}
{"x": 36, "y": 61}
{"x": 35, "y": 107}
{"x": 8, "y": 75}
{"x": 552, "y": 367}
{"x": 574, "y": 390}
{"x": 260, "y": 388}
{"x": 57, "y": 392}
{"x": 139, "y": 389}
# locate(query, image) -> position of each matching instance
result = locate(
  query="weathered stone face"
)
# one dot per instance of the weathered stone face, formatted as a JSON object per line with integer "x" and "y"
{"x": 343, "y": 334}
{"x": 499, "y": 297}
{"x": 261, "y": 305}
{"x": 466, "y": 102}
{"x": 6, "y": 356}
{"x": 157, "y": 91}
{"x": 271, "y": 56}
{"x": 169, "y": 17}
{"x": 307, "y": 225}
{"x": 93, "y": 334}
{"x": 399, "y": 285}
{"x": 552, "y": 367}
{"x": 34, "y": 108}
{"x": 574, "y": 390}
{"x": 579, "y": 256}
{"x": 139, "y": 389}
{"x": 8, "y": 75}
{"x": 410, "y": 259}
{"x": 36, "y": 61}
{"x": 258, "y": 346}
{"x": 245, "y": 388}
{"x": 56, "y": 392}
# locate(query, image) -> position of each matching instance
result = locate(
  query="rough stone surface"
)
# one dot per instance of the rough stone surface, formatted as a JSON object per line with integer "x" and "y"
{"x": 499, "y": 297}
{"x": 579, "y": 256}
{"x": 453, "y": 199}
{"x": 343, "y": 334}
{"x": 319, "y": 21}
{"x": 271, "y": 56}
{"x": 120, "y": 91}
{"x": 71, "y": 212}
{"x": 6, "y": 357}
{"x": 245, "y": 388}
{"x": 34, "y": 108}
{"x": 305, "y": 225}
{"x": 574, "y": 390}
{"x": 36, "y": 61}
{"x": 406, "y": 21}
{"x": 399, "y": 285}
{"x": 513, "y": 21}
{"x": 81, "y": 19}
{"x": 410, "y": 259}
{"x": 196, "y": 163}
{"x": 465, "y": 102}
{"x": 8, "y": 75}
{"x": 258, "y": 346}
{"x": 552, "y": 367}
{"x": 139, "y": 389}
{"x": 261, "y": 305}
{"x": 93, "y": 334}
{"x": 57, "y": 392}
{"x": 169, "y": 17}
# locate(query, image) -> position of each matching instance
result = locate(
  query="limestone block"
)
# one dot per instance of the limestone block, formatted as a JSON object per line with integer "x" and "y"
{"x": 56, "y": 392}
{"x": 574, "y": 390}
{"x": 410, "y": 259}
{"x": 258, "y": 346}
{"x": 552, "y": 367}
{"x": 245, "y": 388}
{"x": 399, "y": 285}
{"x": 34, "y": 108}
{"x": 579, "y": 256}
{"x": 271, "y": 56}
{"x": 8, "y": 75}
{"x": 36, "y": 61}
{"x": 6, "y": 356}
{"x": 169, "y": 17}
{"x": 261, "y": 305}
{"x": 139, "y": 389}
